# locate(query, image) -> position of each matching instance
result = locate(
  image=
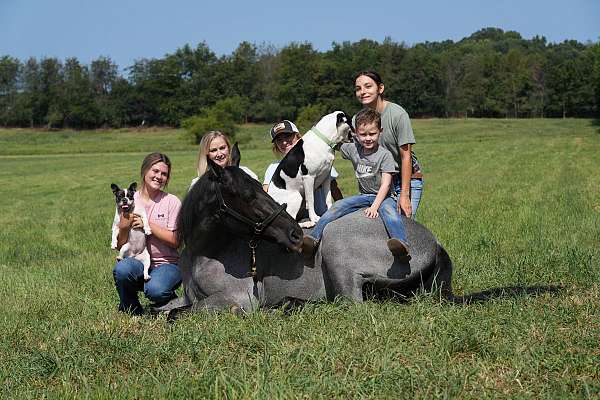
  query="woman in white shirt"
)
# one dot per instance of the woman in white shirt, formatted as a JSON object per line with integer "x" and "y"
{"x": 284, "y": 135}
{"x": 215, "y": 145}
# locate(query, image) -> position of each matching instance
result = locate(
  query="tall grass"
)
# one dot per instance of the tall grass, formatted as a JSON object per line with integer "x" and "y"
{"x": 515, "y": 203}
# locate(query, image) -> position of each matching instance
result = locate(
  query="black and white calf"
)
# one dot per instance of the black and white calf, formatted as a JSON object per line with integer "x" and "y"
{"x": 136, "y": 243}
{"x": 308, "y": 165}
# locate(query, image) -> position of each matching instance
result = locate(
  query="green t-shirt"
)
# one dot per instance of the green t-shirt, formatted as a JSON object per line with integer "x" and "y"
{"x": 397, "y": 131}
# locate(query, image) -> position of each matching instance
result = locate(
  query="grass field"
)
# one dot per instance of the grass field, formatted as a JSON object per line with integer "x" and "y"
{"x": 515, "y": 203}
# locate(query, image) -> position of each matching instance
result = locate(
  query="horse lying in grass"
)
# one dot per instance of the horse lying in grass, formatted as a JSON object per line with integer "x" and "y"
{"x": 242, "y": 251}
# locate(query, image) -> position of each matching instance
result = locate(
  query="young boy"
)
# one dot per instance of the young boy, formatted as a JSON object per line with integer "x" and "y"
{"x": 373, "y": 166}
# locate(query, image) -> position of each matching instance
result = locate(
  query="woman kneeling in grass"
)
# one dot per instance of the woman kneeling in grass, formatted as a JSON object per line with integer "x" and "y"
{"x": 162, "y": 209}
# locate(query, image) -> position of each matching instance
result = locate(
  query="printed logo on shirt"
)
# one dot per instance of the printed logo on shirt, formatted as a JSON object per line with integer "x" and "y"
{"x": 363, "y": 170}
{"x": 160, "y": 216}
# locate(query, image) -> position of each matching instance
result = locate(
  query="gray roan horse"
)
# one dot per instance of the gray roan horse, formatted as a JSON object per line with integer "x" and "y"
{"x": 224, "y": 219}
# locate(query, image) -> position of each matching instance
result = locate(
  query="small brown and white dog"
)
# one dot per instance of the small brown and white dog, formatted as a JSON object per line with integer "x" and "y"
{"x": 136, "y": 243}
{"x": 308, "y": 165}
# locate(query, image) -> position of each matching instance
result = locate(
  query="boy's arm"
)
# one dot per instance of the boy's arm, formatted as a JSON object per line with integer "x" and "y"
{"x": 382, "y": 193}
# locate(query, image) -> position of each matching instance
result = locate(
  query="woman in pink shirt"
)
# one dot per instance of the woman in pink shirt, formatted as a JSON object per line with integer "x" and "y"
{"x": 162, "y": 209}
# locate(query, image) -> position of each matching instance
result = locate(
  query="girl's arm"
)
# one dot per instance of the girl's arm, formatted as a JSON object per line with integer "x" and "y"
{"x": 167, "y": 236}
{"x": 406, "y": 173}
{"x": 382, "y": 193}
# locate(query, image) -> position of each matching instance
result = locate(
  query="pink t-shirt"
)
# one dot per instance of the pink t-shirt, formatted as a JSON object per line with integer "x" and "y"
{"x": 162, "y": 211}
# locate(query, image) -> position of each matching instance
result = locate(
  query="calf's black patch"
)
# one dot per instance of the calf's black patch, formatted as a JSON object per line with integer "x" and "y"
{"x": 290, "y": 165}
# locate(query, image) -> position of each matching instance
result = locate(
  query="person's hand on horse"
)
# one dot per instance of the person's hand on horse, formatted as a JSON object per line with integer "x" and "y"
{"x": 371, "y": 212}
{"x": 404, "y": 205}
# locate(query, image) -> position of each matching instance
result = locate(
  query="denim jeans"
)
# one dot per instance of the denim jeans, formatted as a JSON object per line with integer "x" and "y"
{"x": 416, "y": 190}
{"x": 129, "y": 279}
{"x": 387, "y": 212}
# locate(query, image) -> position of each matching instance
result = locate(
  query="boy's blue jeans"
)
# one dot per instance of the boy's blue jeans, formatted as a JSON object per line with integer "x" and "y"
{"x": 416, "y": 190}
{"x": 387, "y": 212}
{"x": 129, "y": 279}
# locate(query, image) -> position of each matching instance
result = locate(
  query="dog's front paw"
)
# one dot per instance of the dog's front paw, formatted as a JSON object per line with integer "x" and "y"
{"x": 307, "y": 224}
{"x": 147, "y": 277}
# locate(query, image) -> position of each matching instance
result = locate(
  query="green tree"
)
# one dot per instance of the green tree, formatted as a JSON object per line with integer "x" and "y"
{"x": 421, "y": 89}
{"x": 517, "y": 81}
{"x": 297, "y": 86}
{"x": 103, "y": 75}
{"x": 570, "y": 79}
{"x": 9, "y": 78}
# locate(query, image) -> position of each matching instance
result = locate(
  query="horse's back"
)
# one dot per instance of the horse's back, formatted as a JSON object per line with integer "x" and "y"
{"x": 355, "y": 244}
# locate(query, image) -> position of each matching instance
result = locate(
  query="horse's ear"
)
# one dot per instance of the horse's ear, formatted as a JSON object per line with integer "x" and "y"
{"x": 235, "y": 155}
{"x": 214, "y": 171}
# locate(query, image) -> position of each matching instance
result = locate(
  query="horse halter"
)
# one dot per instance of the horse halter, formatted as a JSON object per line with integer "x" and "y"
{"x": 258, "y": 226}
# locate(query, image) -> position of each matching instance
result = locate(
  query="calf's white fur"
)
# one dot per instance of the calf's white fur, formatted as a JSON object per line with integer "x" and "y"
{"x": 308, "y": 166}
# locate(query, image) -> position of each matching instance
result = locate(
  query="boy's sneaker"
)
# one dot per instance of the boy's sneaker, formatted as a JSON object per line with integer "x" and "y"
{"x": 309, "y": 245}
{"x": 398, "y": 249}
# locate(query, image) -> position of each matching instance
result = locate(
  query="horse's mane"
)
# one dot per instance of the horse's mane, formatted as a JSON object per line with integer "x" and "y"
{"x": 198, "y": 212}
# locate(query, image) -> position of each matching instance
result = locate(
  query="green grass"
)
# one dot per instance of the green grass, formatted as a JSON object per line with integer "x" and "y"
{"x": 515, "y": 202}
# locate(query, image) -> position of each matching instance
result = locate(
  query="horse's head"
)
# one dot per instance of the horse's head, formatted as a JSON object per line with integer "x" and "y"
{"x": 230, "y": 200}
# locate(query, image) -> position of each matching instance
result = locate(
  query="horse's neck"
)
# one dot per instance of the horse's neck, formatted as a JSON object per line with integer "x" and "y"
{"x": 212, "y": 242}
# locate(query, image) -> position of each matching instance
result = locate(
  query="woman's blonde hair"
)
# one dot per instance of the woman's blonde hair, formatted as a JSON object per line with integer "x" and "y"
{"x": 275, "y": 149}
{"x": 204, "y": 148}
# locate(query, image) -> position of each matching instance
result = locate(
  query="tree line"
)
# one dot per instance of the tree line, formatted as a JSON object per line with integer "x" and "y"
{"x": 491, "y": 73}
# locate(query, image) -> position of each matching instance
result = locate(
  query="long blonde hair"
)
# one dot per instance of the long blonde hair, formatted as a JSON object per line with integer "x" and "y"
{"x": 204, "y": 148}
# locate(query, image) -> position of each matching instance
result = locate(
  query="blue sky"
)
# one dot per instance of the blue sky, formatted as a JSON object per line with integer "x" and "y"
{"x": 126, "y": 30}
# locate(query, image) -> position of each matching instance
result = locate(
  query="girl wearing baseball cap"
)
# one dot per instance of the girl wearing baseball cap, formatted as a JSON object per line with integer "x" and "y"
{"x": 284, "y": 136}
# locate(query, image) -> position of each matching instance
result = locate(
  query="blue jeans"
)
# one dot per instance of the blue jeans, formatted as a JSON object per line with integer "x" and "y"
{"x": 129, "y": 279}
{"x": 387, "y": 212}
{"x": 416, "y": 190}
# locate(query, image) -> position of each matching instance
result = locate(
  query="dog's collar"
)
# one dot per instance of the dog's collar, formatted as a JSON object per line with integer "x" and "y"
{"x": 323, "y": 137}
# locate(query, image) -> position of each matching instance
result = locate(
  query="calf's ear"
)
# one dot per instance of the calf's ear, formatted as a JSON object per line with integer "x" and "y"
{"x": 341, "y": 118}
{"x": 236, "y": 156}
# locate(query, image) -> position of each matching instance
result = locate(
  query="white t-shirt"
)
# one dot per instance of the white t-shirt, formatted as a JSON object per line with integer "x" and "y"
{"x": 320, "y": 205}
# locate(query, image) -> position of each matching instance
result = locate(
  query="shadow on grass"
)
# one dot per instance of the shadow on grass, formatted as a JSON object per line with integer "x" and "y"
{"x": 503, "y": 293}
{"x": 370, "y": 293}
